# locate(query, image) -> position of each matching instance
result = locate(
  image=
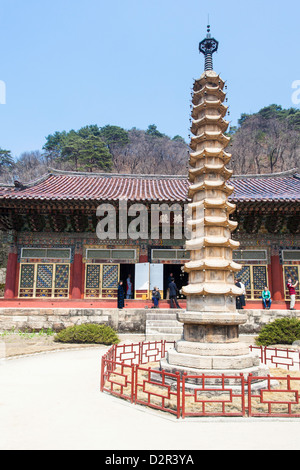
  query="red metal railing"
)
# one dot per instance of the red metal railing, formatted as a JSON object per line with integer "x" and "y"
{"x": 278, "y": 357}
{"x": 124, "y": 374}
{"x": 208, "y": 400}
{"x": 274, "y": 400}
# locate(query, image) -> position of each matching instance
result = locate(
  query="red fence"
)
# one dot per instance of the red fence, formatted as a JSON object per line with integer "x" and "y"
{"x": 276, "y": 357}
{"x": 131, "y": 372}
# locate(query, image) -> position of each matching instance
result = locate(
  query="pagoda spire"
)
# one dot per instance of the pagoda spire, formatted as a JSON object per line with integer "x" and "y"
{"x": 207, "y": 47}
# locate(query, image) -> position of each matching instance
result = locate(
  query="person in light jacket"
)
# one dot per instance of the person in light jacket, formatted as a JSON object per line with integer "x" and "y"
{"x": 128, "y": 287}
{"x": 243, "y": 294}
{"x": 292, "y": 291}
{"x": 266, "y": 297}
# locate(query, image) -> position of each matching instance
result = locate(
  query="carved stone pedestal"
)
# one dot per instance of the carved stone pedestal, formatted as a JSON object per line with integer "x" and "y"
{"x": 211, "y": 346}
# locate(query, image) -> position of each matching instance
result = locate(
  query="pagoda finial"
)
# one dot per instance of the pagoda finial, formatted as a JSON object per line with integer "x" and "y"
{"x": 207, "y": 47}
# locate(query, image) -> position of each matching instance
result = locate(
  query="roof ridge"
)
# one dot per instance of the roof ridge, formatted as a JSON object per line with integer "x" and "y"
{"x": 41, "y": 179}
{"x": 293, "y": 172}
{"x": 54, "y": 171}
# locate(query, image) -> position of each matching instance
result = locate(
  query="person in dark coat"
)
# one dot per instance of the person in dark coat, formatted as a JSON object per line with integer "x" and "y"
{"x": 243, "y": 295}
{"x": 173, "y": 294}
{"x": 121, "y": 295}
{"x": 238, "y": 300}
{"x": 170, "y": 277}
{"x": 156, "y": 297}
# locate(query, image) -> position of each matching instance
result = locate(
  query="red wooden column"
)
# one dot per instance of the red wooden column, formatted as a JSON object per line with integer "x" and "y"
{"x": 277, "y": 291}
{"x": 11, "y": 273}
{"x": 77, "y": 277}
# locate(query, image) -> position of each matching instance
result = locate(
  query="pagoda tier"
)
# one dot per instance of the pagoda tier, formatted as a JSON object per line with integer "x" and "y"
{"x": 211, "y": 268}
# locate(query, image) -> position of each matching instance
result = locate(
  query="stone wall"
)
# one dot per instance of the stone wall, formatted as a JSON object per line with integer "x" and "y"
{"x": 124, "y": 321}
{"x": 258, "y": 318}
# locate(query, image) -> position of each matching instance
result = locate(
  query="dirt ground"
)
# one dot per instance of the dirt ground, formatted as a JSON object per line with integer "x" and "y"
{"x": 15, "y": 344}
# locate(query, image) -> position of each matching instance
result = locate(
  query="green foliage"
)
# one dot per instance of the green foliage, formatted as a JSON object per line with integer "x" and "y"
{"x": 153, "y": 131}
{"x": 178, "y": 138}
{"x": 27, "y": 333}
{"x": 6, "y": 160}
{"x": 114, "y": 135}
{"x": 243, "y": 118}
{"x": 86, "y": 154}
{"x": 272, "y": 111}
{"x": 88, "y": 149}
{"x": 54, "y": 144}
{"x": 275, "y": 111}
{"x": 88, "y": 333}
{"x": 281, "y": 331}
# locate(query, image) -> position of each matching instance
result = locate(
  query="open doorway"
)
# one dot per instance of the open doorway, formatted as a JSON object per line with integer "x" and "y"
{"x": 180, "y": 277}
{"x": 125, "y": 270}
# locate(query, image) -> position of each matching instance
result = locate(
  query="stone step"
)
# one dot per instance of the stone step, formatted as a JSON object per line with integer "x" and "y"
{"x": 165, "y": 336}
{"x": 164, "y": 323}
{"x": 170, "y": 330}
{"x": 162, "y": 316}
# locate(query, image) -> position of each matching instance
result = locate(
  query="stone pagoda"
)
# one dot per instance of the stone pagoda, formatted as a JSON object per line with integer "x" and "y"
{"x": 210, "y": 343}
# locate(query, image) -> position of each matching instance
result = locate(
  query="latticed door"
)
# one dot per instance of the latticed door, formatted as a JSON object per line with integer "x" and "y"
{"x": 101, "y": 280}
{"x": 62, "y": 280}
{"x": 93, "y": 280}
{"x": 292, "y": 271}
{"x": 259, "y": 280}
{"x": 110, "y": 279}
{"x": 255, "y": 278}
{"x": 245, "y": 275}
{"x": 46, "y": 280}
{"x": 27, "y": 280}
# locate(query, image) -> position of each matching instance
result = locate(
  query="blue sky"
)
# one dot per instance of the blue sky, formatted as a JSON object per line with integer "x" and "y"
{"x": 131, "y": 63}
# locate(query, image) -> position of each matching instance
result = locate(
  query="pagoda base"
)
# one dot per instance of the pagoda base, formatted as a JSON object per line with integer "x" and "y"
{"x": 214, "y": 380}
{"x": 211, "y": 350}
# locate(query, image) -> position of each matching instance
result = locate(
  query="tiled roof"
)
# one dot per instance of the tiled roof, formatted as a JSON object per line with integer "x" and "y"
{"x": 60, "y": 186}
{"x": 284, "y": 187}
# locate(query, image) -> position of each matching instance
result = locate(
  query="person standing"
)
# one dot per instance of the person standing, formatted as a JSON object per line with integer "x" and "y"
{"x": 173, "y": 294}
{"x": 243, "y": 294}
{"x": 292, "y": 291}
{"x": 170, "y": 277}
{"x": 129, "y": 287}
{"x": 266, "y": 297}
{"x": 238, "y": 302}
{"x": 121, "y": 295}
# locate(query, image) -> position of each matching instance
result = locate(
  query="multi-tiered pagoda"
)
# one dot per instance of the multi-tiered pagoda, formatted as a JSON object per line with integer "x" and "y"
{"x": 211, "y": 322}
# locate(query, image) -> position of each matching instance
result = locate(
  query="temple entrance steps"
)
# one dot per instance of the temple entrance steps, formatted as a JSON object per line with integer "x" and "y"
{"x": 163, "y": 324}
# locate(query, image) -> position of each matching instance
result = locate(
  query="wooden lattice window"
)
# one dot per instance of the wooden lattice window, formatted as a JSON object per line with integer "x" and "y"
{"x": 101, "y": 280}
{"x": 255, "y": 278}
{"x": 44, "y": 280}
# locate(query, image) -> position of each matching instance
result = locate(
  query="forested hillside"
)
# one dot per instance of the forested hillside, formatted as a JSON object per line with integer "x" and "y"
{"x": 264, "y": 142}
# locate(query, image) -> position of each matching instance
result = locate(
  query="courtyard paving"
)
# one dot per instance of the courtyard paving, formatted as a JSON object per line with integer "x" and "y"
{"x": 52, "y": 401}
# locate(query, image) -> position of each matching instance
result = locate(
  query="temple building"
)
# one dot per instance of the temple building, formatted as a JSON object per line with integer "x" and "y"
{"x": 71, "y": 237}
{"x": 56, "y": 255}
